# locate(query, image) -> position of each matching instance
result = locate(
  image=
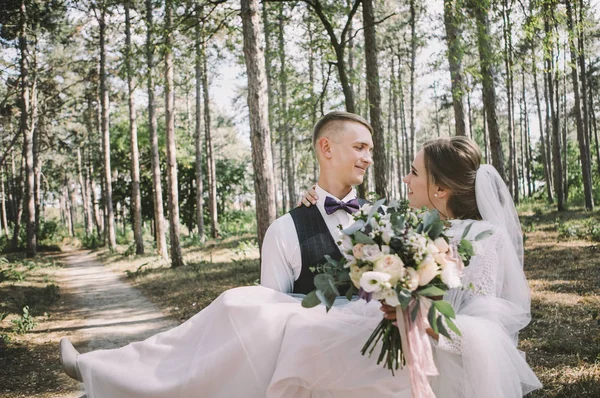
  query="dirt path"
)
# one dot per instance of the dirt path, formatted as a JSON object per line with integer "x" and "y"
{"x": 99, "y": 310}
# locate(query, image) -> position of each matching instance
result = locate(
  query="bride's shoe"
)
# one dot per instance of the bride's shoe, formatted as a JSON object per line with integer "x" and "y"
{"x": 68, "y": 359}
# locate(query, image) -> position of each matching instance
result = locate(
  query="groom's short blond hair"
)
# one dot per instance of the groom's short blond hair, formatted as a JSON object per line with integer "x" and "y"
{"x": 333, "y": 121}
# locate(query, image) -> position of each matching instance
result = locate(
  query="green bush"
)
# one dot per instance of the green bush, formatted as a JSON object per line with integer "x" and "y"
{"x": 25, "y": 322}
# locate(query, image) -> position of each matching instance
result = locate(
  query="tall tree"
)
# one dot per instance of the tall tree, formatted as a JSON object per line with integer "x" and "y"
{"x": 259, "y": 119}
{"x": 108, "y": 202}
{"x": 412, "y": 143}
{"x": 371, "y": 56}
{"x": 26, "y": 129}
{"x": 173, "y": 186}
{"x": 480, "y": 10}
{"x": 136, "y": 197}
{"x": 198, "y": 127}
{"x": 455, "y": 55}
{"x": 159, "y": 218}
{"x": 582, "y": 125}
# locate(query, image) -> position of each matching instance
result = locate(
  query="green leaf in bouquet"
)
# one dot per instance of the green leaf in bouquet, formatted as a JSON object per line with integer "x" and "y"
{"x": 436, "y": 229}
{"x": 404, "y": 296}
{"x": 484, "y": 234}
{"x": 374, "y": 209}
{"x": 351, "y": 291}
{"x": 415, "y": 311}
{"x": 466, "y": 248}
{"x": 398, "y": 222}
{"x": 363, "y": 238}
{"x": 357, "y": 226}
{"x": 445, "y": 308}
{"x": 327, "y": 298}
{"x": 333, "y": 262}
{"x": 430, "y": 217}
{"x": 466, "y": 230}
{"x": 431, "y": 291}
{"x": 432, "y": 318}
{"x": 453, "y": 326}
{"x": 325, "y": 283}
{"x": 311, "y": 300}
{"x": 442, "y": 329}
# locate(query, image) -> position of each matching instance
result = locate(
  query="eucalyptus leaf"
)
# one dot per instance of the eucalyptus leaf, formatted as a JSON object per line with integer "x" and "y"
{"x": 453, "y": 326}
{"x": 311, "y": 300}
{"x": 444, "y": 308}
{"x": 357, "y": 226}
{"x": 484, "y": 234}
{"x": 374, "y": 209}
{"x": 332, "y": 261}
{"x": 430, "y": 291}
{"x": 442, "y": 329}
{"x": 436, "y": 230}
{"x": 432, "y": 318}
{"x": 415, "y": 311}
{"x": 404, "y": 296}
{"x": 466, "y": 230}
{"x": 363, "y": 238}
{"x": 466, "y": 247}
{"x": 325, "y": 282}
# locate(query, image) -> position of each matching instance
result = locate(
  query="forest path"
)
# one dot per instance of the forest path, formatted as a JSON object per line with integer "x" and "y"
{"x": 100, "y": 310}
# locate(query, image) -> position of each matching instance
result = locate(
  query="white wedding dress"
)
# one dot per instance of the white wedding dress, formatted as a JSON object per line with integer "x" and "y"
{"x": 256, "y": 342}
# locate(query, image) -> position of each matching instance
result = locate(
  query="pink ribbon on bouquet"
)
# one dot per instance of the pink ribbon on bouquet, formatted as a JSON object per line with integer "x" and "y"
{"x": 417, "y": 349}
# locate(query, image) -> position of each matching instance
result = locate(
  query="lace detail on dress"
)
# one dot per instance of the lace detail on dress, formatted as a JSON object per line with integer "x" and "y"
{"x": 481, "y": 275}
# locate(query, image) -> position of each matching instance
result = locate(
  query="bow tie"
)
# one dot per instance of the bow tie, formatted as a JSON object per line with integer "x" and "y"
{"x": 332, "y": 205}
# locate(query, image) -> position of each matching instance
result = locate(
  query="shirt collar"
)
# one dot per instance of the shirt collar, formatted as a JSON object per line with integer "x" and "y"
{"x": 323, "y": 194}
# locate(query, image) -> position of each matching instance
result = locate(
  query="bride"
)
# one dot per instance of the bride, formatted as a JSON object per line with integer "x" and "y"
{"x": 257, "y": 342}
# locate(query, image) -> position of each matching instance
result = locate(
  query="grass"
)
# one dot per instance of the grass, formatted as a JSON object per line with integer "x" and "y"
{"x": 562, "y": 342}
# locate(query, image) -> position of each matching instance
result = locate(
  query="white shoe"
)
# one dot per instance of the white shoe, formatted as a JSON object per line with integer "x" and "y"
{"x": 68, "y": 359}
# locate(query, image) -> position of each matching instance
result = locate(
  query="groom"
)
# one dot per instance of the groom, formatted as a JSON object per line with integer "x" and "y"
{"x": 303, "y": 237}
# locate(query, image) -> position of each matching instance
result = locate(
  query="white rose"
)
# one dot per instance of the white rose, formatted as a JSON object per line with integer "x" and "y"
{"x": 371, "y": 253}
{"x": 411, "y": 280}
{"x": 440, "y": 258}
{"x": 427, "y": 270}
{"x": 392, "y": 265}
{"x": 345, "y": 242}
{"x": 442, "y": 245}
{"x": 350, "y": 260}
{"x": 373, "y": 281}
{"x": 432, "y": 248}
{"x": 357, "y": 251}
{"x": 356, "y": 273}
{"x": 451, "y": 275}
{"x": 390, "y": 296}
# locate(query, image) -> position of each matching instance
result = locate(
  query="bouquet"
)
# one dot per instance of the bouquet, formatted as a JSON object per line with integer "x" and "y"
{"x": 403, "y": 258}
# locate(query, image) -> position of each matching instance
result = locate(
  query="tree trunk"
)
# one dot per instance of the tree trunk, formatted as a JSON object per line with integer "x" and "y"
{"x": 159, "y": 218}
{"x": 545, "y": 160}
{"x": 486, "y": 60}
{"x": 269, "y": 72}
{"x": 595, "y": 128}
{"x": 508, "y": 63}
{"x": 557, "y": 164}
{"x": 259, "y": 118}
{"x": 404, "y": 132}
{"x": 413, "y": 56}
{"x": 110, "y": 216}
{"x": 198, "y": 128}
{"x": 455, "y": 52}
{"x": 527, "y": 139}
{"x": 26, "y": 130}
{"x": 371, "y": 56}
{"x": 565, "y": 143}
{"x": 136, "y": 198}
{"x": 173, "y": 186}
{"x": 3, "y": 203}
{"x": 87, "y": 221}
{"x": 581, "y": 122}
{"x": 210, "y": 155}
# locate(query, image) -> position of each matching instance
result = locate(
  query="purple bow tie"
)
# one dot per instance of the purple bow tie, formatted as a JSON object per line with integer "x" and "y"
{"x": 332, "y": 205}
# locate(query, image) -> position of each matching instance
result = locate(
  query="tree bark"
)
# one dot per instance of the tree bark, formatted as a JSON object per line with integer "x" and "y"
{"x": 455, "y": 53}
{"x": 159, "y": 218}
{"x": 136, "y": 198}
{"x": 198, "y": 127}
{"x": 545, "y": 160}
{"x": 508, "y": 63}
{"x": 110, "y": 216}
{"x": 486, "y": 60}
{"x": 27, "y": 132}
{"x": 413, "y": 56}
{"x": 371, "y": 57}
{"x": 582, "y": 136}
{"x": 173, "y": 186}
{"x": 259, "y": 118}
{"x": 86, "y": 219}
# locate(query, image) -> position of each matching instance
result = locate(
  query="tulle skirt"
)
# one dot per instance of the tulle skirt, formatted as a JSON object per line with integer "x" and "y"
{"x": 256, "y": 342}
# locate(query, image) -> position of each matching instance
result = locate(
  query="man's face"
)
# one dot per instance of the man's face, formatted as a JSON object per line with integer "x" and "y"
{"x": 351, "y": 152}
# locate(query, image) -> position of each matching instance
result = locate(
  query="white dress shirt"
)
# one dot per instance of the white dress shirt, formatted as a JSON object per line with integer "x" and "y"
{"x": 281, "y": 259}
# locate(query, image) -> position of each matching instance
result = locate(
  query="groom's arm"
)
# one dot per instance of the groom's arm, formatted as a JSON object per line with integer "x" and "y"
{"x": 280, "y": 256}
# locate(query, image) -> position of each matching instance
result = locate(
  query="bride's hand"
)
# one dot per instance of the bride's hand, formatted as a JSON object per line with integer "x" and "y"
{"x": 309, "y": 198}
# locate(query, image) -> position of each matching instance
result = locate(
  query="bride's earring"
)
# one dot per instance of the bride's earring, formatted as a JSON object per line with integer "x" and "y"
{"x": 435, "y": 194}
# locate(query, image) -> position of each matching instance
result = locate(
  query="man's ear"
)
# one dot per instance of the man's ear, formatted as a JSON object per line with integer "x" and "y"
{"x": 324, "y": 147}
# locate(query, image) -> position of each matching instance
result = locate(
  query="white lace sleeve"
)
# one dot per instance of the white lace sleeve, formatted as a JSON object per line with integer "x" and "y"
{"x": 480, "y": 278}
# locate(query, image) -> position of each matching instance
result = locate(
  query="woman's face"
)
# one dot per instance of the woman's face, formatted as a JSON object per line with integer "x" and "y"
{"x": 419, "y": 195}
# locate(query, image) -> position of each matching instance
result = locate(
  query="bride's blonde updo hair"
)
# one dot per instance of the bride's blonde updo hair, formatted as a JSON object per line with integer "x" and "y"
{"x": 452, "y": 163}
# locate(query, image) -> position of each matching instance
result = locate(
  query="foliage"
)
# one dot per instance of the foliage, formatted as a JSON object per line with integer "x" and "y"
{"x": 25, "y": 323}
